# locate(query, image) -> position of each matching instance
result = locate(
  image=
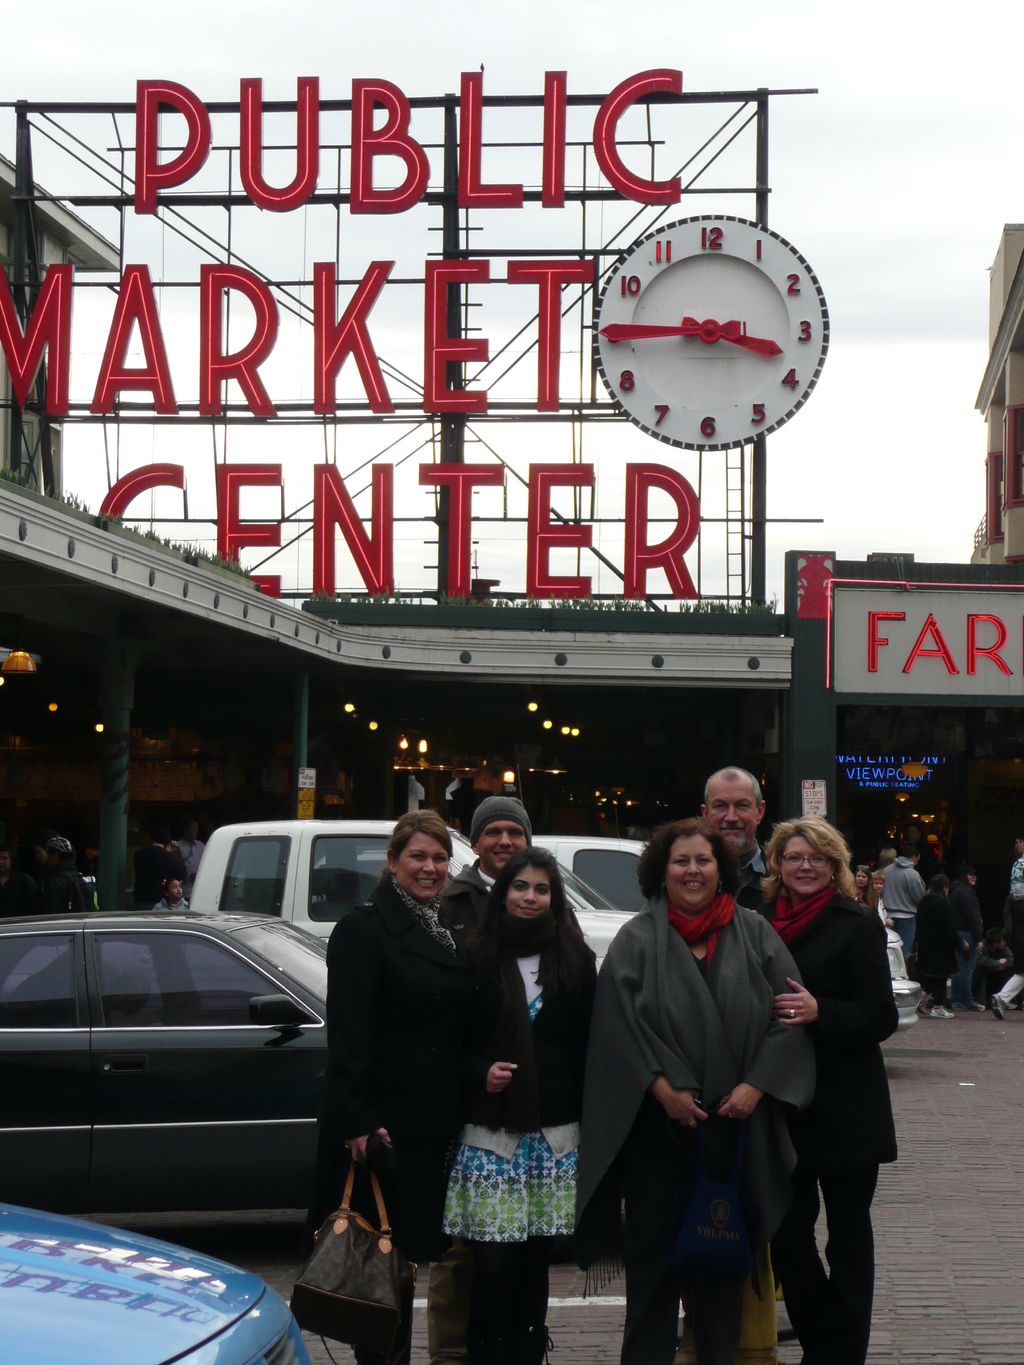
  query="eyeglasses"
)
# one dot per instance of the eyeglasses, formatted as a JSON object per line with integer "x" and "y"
{"x": 815, "y": 860}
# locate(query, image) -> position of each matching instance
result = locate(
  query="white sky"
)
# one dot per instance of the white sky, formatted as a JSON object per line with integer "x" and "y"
{"x": 894, "y": 181}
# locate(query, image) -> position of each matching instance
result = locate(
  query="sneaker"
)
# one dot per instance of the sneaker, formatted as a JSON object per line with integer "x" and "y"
{"x": 937, "y": 1012}
{"x": 997, "y": 1008}
{"x": 979, "y": 1008}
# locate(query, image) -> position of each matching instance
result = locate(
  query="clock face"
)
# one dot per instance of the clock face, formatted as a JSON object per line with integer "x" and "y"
{"x": 710, "y": 332}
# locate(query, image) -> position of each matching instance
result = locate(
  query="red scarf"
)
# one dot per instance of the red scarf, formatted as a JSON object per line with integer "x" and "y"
{"x": 697, "y": 928}
{"x": 790, "y": 920}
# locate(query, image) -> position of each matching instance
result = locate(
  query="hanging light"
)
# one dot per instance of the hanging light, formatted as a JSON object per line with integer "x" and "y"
{"x": 374, "y": 725}
{"x": 533, "y": 706}
{"x": 18, "y": 661}
{"x": 422, "y": 746}
{"x": 98, "y": 727}
{"x": 403, "y": 743}
{"x": 52, "y": 706}
{"x": 547, "y": 724}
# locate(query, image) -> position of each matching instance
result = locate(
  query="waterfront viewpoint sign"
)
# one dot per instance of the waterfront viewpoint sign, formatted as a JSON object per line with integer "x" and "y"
{"x": 361, "y": 155}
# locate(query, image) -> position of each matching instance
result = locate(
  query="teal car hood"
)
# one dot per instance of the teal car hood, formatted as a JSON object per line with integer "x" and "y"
{"x": 77, "y": 1291}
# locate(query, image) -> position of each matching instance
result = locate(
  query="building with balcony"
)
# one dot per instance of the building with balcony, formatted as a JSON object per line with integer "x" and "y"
{"x": 999, "y": 538}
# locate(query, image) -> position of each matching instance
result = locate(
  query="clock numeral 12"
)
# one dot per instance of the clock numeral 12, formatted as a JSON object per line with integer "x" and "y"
{"x": 791, "y": 379}
{"x": 707, "y": 427}
{"x": 757, "y": 414}
{"x": 711, "y": 239}
{"x": 657, "y": 251}
{"x": 662, "y": 410}
{"x": 629, "y": 284}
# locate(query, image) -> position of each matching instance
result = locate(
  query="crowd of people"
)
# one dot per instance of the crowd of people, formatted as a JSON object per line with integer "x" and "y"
{"x": 520, "y": 1108}
{"x": 46, "y": 878}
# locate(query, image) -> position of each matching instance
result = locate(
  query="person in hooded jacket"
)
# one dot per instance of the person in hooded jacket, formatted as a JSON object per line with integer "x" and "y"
{"x": 939, "y": 947}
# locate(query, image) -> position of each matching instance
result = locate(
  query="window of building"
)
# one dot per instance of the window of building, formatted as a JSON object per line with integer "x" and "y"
{"x": 1013, "y": 445}
{"x": 994, "y": 501}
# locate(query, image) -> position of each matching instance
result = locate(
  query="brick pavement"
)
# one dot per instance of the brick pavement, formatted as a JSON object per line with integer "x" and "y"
{"x": 948, "y": 1293}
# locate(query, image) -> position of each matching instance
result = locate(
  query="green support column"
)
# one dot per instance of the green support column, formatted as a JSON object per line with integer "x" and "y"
{"x": 117, "y": 696}
{"x": 300, "y": 734}
{"x": 809, "y": 710}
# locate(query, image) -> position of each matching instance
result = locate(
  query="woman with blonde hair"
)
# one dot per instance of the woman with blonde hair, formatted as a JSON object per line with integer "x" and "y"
{"x": 846, "y": 1006}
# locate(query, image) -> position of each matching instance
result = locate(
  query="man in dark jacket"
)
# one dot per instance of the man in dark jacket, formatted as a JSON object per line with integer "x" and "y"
{"x": 963, "y": 902}
{"x": 500, "y": 827}
{"x": 62, "y": 890}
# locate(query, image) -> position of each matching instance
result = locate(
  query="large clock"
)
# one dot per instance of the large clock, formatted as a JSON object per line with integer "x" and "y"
{"x": 710, "y": 332}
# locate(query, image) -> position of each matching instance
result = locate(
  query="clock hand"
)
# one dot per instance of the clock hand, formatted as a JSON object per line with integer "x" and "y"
{"x": 709, "y": 332}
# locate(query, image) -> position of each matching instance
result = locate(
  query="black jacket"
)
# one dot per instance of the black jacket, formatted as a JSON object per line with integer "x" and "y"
{"x": 938, "y": 947}
{"x": 560, "y": 1033}
{"x": 844, "y": 964}
{"x": 963, "y": 900}
{"x": 400, "y": 1012}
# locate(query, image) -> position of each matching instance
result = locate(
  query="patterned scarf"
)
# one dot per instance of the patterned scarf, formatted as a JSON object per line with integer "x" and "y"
{"x": 708, "y": 925}
{"x": 426, "y": 913}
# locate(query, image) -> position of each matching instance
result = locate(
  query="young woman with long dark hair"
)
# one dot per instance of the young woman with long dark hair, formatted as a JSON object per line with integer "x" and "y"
{"x": 513, "y": 1183}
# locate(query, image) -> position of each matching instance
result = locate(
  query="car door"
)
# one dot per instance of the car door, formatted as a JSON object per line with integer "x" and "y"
{"x": 44, "y": 1068}
{"x": 196, "y": 1107}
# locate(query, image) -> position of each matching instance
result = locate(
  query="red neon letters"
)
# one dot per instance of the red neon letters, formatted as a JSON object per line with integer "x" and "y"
{"x": 667, "y": 554}
{"x": 930, "y": 641}
{"x": 392, "y": 139}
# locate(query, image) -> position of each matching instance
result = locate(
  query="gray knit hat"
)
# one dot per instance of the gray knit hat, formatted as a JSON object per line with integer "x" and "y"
{"x": 500, "y": 808}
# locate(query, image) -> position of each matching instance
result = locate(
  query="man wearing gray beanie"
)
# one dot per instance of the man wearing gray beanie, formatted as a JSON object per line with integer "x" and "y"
{"x": 500, "y": 827}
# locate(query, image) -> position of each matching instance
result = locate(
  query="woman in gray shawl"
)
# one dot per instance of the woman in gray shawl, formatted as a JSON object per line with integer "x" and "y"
{"x": 683, "y": 1035}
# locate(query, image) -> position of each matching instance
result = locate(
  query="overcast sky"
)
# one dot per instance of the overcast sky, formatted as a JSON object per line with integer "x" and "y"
{"x": 894, "y": 181}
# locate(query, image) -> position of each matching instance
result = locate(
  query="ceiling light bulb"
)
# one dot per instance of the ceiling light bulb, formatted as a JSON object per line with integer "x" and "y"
{"x": 422, "y": 746}
{"x": 403, "y": 743}
{"x": 533, "y": 706}
{"x": 350, "y": 706}
{"x": 374, "y": 725}
{"x": 52, "y": 706}
{"x": 98, "y": 727}
{"x": 548, "y": 724}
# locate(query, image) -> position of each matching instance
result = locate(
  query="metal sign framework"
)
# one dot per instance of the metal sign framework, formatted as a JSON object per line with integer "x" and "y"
{"x": 109, "y": 187}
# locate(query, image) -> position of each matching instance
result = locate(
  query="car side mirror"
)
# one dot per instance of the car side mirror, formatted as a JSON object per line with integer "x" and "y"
{"x": 278, "y": 1011}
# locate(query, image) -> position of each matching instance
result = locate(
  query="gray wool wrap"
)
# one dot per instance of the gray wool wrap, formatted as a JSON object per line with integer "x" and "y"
{"x": 655, "y": 1014}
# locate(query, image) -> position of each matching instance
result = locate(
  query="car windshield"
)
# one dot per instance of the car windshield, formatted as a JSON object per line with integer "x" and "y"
{"x": 292, "y": 951}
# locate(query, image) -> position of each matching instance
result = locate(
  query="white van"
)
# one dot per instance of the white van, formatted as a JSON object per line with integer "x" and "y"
{"x": 311, "y": 872}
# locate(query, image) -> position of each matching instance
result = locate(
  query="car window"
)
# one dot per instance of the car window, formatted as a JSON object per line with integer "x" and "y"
{"x": 174, "y": 981}
{"x": 37, "y": 982}
{"x": 343, "y": 870}
{"x": 291, "y": 950}
{"x": 613, "y": 872}
{"x": 254, "y": 880}
{"x": 582, "y": 892}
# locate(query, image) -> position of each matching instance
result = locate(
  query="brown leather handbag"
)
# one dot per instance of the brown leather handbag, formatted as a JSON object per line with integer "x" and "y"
{"x": 357, "y": 1286}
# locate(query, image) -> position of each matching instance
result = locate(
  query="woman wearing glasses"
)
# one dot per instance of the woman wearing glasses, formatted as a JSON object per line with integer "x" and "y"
{"x": 846, "y": 1005}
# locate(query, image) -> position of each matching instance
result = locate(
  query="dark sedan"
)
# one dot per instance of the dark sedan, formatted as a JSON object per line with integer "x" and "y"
{"x": 156, "y": 1061}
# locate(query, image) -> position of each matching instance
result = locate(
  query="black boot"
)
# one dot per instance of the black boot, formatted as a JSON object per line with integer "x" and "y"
{"x": 530, "y": 1346}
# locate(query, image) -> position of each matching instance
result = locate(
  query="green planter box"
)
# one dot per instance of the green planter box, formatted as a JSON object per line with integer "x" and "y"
{"x": 402, "y": 615}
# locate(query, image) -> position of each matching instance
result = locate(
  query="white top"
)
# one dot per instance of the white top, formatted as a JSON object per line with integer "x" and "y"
{"x": 529, "y": 968}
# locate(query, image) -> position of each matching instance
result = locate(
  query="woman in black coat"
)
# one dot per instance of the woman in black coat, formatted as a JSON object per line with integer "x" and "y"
{"x": 938, "y": 946}
{"x": 847, "y": 1006}
{"x": 401, "y": 1002}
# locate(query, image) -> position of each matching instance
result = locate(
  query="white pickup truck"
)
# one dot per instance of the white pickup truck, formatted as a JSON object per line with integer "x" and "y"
{"x": 311, "y": 872}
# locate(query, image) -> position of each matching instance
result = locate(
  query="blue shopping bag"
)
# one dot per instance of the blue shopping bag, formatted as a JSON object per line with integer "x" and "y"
{"x": 716, "y": 1233}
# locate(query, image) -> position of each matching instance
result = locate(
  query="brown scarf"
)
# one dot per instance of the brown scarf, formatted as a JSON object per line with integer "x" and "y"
{"x": 517, "y": 1108}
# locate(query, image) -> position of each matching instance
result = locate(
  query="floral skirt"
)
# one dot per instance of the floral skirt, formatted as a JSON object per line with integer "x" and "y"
{"x": 496, "y": 1199}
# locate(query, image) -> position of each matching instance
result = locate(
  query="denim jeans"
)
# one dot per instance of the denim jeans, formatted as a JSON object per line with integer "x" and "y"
{"x": 907, "y": 930}
{"x": 961, "y": 984}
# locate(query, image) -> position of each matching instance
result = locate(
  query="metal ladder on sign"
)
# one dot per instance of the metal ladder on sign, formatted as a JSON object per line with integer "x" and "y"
{"x": 735, "y": 524}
